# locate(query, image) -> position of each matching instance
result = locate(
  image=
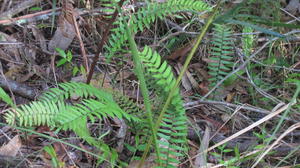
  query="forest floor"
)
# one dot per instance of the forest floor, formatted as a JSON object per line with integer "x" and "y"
{"x": 245, "y": 116}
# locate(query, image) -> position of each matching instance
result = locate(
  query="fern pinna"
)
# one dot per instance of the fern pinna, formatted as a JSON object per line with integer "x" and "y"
{"x": 147, "y": 15}
{"x": 221, "y": 59}
{"x": 173, "y": 130}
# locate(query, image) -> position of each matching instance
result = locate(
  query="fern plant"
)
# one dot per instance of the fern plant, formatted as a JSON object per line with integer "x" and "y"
{"x": 145, "y": 16}
{"x": 172, "y": 132}
{"x": 221, "y": 60}
{"x": 69, "y": 107}
{"x": 72, "y": 105}
{"x": 57, "y": 110}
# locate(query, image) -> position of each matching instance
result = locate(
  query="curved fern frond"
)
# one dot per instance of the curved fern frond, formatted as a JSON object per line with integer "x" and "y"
{"x": 221, "y": 54}
{"x": 173, "y": 130}
{"x": 147, "y": 15}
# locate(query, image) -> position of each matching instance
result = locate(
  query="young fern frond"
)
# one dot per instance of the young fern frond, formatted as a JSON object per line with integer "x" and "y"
{"x": 173, "y": 130}
{"x": 145, "y": 16}
{"x": 221, "y": 54}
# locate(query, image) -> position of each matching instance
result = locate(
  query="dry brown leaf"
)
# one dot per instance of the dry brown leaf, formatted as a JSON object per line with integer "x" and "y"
{"x": 203, "y": 86}
{"x": 293, "y": 6}
{"x": 12, "y": 148}
{"x": 65, "y": 33}
{"x": 185, "y": 80}
{"x": 39, "y": 37}
{"x": 182, "y": 51}
{"x": 201, "y": 160}
{"x": 10, "y": 49}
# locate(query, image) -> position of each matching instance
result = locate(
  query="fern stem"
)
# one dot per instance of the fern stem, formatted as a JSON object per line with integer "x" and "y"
{"x": 185, "y": 66}
{"x": 143, "y": 86}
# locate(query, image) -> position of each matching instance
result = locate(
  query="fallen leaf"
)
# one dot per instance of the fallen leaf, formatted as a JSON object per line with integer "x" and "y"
{"x": 201, "y": 160}
{"x": 293, "y": 6}
{"x": 65, "y": 33}
{"x": 185, "y": 80}
{"x": 12, "y": 148}
{"x": 182, "y": 51}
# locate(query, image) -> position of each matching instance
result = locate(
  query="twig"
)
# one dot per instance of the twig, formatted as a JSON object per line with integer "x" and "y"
{"x": 19, "y": 8}
{"x": 289, "y": 130}
{"x": 249, "y": 79}
{"x": 103, "y": 40}
{"x": 196, "y": 103}
{"x": 82, "y": 48}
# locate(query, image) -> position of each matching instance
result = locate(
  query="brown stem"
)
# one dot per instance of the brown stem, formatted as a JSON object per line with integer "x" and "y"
{"x": 103, "y": 40}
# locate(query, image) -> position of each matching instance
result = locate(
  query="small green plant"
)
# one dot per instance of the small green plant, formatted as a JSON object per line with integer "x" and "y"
{"x": 54, "y": 159}
{"x": 67, "y": 59}
{"x": 221, "y": 156}
{"x": 6, "y": 98}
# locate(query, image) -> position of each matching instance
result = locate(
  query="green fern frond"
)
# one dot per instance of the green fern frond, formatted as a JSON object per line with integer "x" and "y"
{"x": 34, "y": 114}
{"x": 173, "y": 130}
{"x": 52, "y": 110}
{"x": 147, "y": 15}
{"x": 221, "y": 54}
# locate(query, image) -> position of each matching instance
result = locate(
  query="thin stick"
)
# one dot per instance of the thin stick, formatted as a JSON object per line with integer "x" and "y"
{"x": 103, "y": 41}
{"x": 257, "y": 123}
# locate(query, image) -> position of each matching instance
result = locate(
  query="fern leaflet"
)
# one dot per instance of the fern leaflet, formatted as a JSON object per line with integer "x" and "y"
{"x": 221, "y": 54}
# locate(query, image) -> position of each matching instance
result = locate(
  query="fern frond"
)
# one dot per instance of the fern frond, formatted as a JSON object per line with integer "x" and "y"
{"x": 173, "y": 129}
{"x": 221, "y": 54}
{"x": 145, "y": 16}
{"x": 34, "y": 114}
